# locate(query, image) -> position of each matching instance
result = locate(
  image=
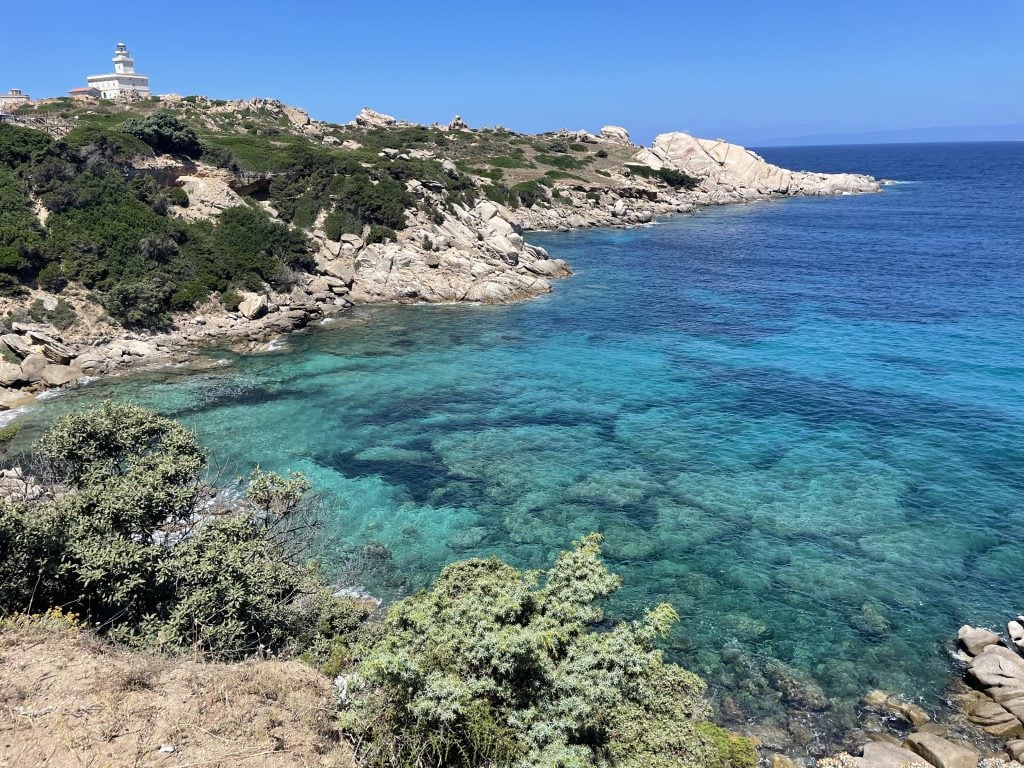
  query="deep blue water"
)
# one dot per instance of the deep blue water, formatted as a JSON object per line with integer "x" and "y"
{"x": 800, "y": 422}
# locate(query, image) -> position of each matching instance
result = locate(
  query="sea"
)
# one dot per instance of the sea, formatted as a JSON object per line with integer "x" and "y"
{"x": 800, "y": 422}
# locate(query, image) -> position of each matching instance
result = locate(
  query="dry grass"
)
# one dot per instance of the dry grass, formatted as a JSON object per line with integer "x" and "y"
{"x": 68, "y": 699}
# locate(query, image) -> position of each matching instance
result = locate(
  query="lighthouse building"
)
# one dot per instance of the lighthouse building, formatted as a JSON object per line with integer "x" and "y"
{"x": 123, "y": 82}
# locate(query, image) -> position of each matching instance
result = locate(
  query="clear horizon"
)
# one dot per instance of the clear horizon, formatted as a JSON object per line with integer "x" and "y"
{"x": 742, "y": 71}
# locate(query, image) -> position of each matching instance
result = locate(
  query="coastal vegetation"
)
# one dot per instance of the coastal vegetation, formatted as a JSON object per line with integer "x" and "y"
{"x": 492, "y": 666}
{"x": 101, "y": 207}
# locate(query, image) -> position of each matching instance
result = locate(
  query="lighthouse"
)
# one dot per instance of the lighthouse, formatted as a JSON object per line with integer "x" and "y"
{"x": 123, "y": 82}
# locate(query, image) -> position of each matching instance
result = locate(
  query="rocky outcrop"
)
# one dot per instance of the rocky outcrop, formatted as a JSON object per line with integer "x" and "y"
{"x": 730, "y": 168}
{"x": 475, "y": 254}
{"x": 975, "y": 639}
{"x": 253, "y": 305}
{"x": 208, "y": 196}
{"x": 616, "y": 134}
{"x": 999, "y": 673}
{"x": 458, "y": 124}
{"x": 369, "y": 118}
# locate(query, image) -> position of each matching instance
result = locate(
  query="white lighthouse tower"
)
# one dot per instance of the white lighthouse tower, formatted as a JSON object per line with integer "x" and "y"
{"x": 123, "y": 82}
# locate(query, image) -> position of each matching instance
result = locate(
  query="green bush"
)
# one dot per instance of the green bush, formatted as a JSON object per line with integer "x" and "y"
{"x": 382, "y": 202}
{"x": 558, "y": 161}
{"x": 379, "y": 234}
{"x": 342, "y": 222}
{"x": 178, "y": 196}
{"x": 140, "y": 303}
{"x": 121, "y": 547}
{"x": 62, "y": 316}
{"x": 602, "y": 153}
{"x": 493, "y": 666}
{"x": 529, "y": 193}
{"x": 670, "y": 176}
{"x": 231, "y": 300}
{"x": 21, "y": 237}
{"x": 8, "y": 433}
{"x": 165, "y": 133}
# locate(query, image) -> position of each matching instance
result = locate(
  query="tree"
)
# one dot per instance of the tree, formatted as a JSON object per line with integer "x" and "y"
{"x": 120, "y": 540}
{"x": 165, "y": 133}
{"x": 493, "y": 666}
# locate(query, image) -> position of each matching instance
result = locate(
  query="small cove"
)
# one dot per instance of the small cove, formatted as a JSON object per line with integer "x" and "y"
{"x": 799, "y": 422}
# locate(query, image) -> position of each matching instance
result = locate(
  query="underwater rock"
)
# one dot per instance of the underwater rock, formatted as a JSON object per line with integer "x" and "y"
{"x": 796, "y": 689}
{"x": 886, "y": 702}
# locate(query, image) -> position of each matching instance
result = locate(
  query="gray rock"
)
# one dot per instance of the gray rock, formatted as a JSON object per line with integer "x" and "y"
{"x": 60, "y": 375}
{"x": 975, "y": 639}
{"x": 1015, "y": 749}
{"x": 19, "y": 345}
{"x": 253, "y": 305}
{"x": 1016, "y": 631}
{"x": 993, "y": 718}
{"x": 33, "y": 365}
{"x": 999, "y": 672}
{"x": 11, "y": 375}
{"x": 616, "y": 134}
{"x": 882, "y": 754}
{"x": 53, "y": 349}
{"x": 340, "y": 270}
{"x": 90, "y": 362}
{"x": 940, "y": 752}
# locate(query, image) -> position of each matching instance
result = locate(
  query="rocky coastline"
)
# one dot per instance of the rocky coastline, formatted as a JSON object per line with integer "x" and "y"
{"x": 470, "y": 253}
{"x": 979, "y": 724}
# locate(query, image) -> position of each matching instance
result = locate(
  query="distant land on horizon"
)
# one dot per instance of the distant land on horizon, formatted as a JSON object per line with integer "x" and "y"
{"x": 1005, "y": 132}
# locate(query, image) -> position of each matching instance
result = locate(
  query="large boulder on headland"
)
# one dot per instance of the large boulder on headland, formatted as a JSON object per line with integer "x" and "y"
{"x": 369, "y": 118}
{"x": 724, "y": 167}
{"x": 616, "y": 134}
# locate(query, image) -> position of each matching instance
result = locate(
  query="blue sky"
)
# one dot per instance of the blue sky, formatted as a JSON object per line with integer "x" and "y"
{"x": 747, "y": 71}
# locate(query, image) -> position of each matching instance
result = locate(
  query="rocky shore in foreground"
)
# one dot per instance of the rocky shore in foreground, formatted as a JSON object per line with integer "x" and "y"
{"x": 447, "y": 252}
{"x": 984, "y": 726}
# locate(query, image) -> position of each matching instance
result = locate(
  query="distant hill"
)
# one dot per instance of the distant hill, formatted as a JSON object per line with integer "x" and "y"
{"x": 1009, "y": 132}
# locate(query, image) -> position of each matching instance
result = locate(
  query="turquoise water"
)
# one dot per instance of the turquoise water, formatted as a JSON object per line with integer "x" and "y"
{"x": 799, "y": 422}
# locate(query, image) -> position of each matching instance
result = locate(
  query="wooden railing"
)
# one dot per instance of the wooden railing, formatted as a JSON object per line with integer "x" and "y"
{"x": 57, "y": 127}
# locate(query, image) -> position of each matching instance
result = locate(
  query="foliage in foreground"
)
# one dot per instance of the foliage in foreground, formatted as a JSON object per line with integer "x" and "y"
{"x": 122, "y": 544}
{"x": 491, "y": 667}
{"x": 498, "y": 667}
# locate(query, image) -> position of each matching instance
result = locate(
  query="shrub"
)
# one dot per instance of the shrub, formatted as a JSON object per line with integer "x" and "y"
{"x": 669, "y": 176}
{"x": 602, "y": 153}
{"x": 120, "y": 544}
{"x": 178, "y": 196}
{"x": 342, "y": 222}
{"x": 8, "y": 433}
{"x": 378, "y": 234}
{"x": 139, "y": 303}
{"x": 530, "y": 193}
{"x": 558, "y": 161}
{"x": 62, "y": 316}
{"x": 165, "y": 133}
{"x": 230, "y": 300}
{"x": 382, "y": 203}
{"x": 496, "y": 666}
